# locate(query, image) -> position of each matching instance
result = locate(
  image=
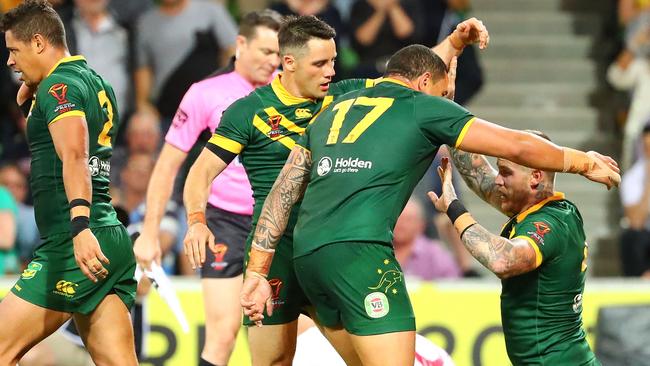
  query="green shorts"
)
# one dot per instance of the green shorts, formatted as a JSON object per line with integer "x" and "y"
{"x": 289, "y": 301}
{"x": 359, "y": 286}
{"x": 54, "y": 281}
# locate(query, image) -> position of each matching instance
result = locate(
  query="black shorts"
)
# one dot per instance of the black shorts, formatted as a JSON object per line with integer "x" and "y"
{"x": 230, "y": 231}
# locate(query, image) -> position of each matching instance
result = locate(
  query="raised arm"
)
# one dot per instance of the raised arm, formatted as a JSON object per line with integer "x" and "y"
{"x": 468, "y": 32}
{"x": 503, "y": 257}
{"x": 478, "y": 174}
{"x": 526, "y": 149}
{"x": 287, "y": 190}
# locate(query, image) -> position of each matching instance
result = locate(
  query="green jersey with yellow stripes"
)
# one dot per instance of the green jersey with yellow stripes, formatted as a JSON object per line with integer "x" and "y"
{"x": 71, "y": 89}
{"x": 264, "y": 126}
{"x": 369, "y": 150}
{"x": 541, "y": 310}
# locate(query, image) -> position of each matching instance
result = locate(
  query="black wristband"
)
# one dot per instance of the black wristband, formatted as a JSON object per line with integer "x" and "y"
{"x": 465, "y": 229}
{"x": 79, "y": 202}
{"x": 455, "y": 209}
{"x": 78, "y": 224}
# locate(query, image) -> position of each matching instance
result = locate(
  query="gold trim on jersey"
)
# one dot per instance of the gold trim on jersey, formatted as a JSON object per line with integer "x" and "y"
{"x": 372, "y": 82}
{"x": 283, "y": 94}
{"x": 555, "y": 197}
{"x": 64, "y": 60}
{"x": 226, "y": 143}
{"x": 68, "y": 114}
{"x": 538, "y": 253}
{"x": 285, "y": 122}
{"x": 265, "y": 129}
{"x": 463, "y": 132}
{"x": 391, "y": 80}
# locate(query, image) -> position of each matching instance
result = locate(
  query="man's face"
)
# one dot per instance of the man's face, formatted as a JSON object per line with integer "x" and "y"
{"x": 314, "y": 68}
{"x": 143, "y": 136}
{"x": 137, "y": 172}
{"x": 513, "y": 182}
{"x": 435, "y": 88}
{"x": 409, "y": 226}
{"x": 260, "y": 54}
{"x": 23, "y": 59}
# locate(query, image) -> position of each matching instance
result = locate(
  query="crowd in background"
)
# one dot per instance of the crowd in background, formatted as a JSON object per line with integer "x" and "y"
{"x": 152, "y": 51}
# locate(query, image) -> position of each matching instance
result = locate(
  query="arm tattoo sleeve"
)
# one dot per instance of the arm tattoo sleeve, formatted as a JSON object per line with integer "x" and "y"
{"x": 502, "y": 256}
{"x": 478, "y": 174}
{"x": 287, "y": 190}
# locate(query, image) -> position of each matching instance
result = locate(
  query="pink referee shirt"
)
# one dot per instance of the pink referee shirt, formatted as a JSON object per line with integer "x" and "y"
{"x": 201, "y": 109}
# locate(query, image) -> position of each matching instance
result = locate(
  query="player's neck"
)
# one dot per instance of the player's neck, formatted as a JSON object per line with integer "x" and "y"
{"x": 289, "y": 83}
{"x": 52, "y": 57}
{"x": 404, "y": 80}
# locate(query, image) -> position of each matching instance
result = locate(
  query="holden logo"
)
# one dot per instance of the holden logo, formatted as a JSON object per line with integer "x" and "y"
{"x": 324, "y": 166}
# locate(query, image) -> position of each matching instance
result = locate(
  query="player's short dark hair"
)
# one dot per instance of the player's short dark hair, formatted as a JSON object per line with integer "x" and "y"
{"x": 34, "y": 17}
{"x": 296, "y": 31}
{"x": 262, "y": 18}
{"x": 413, "y": 61}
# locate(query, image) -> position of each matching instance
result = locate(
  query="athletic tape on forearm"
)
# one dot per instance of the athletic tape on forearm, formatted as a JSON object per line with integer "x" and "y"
{"x": 260, "y": 260}
{"x": 576, "y": 161}
{"x": 196, "y": 217}
{"x": 78, "y": 224}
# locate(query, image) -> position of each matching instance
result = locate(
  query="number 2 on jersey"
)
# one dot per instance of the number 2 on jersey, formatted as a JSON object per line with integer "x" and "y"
{"x": 104, "y": 102}
{"x": 380, "y": 106}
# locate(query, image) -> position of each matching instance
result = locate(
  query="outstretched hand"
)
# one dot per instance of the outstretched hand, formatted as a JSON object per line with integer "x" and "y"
{"x": 448, "y": 192}
{"x": 255, "y": 296}
{"x": 604, "y": 170}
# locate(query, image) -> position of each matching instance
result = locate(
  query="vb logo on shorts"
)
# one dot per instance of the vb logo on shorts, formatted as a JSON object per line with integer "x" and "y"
{"x": 65, "y": 288}
{"x": 31, "y": 270}
{"x": 376, "y": 305}
{"x": 324, "y": 166}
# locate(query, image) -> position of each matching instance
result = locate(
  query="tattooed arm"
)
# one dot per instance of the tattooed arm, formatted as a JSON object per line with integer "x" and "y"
{"x": 286, "y": 191}
{"x": 255, "y": 295}
{"x": 504, "y": 257}
{"x": 478, "y": 174}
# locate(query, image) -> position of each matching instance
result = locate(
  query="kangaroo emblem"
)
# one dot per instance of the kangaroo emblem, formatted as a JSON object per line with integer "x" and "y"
{"x": 388, "y": 279}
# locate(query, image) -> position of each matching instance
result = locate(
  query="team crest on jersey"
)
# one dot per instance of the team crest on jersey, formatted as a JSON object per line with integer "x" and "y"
{"x": 376, "y": 305}
{"x": 32, "y": 269}
{"x": 276, "y": 286}
{"x": 219, "y": 251}
{"x": 274, "y": 122}
{"x": 58, "y": 91}
{"x": 541, "y": 229}
{"x": 303, "y": 113}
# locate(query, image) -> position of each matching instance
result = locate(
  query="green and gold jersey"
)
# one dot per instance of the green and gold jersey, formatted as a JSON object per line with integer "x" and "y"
{"x": 369, "y": 150}
{"x": 541, "y": 310}
{"x": 71, "y": 88}
{"x": 264, "y": 126}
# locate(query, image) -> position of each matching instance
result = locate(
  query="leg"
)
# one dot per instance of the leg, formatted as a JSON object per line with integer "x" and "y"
{"x": 107, "y": 333}
{"x": 222, "y": 321}
{"x": 386, "y": 349}
{"x": 273, "y": 345}
{"x": 23, "y": 326}
{"x": 337, "y": 337}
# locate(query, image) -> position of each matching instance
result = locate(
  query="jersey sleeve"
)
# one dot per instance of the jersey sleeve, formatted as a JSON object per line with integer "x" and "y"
{"x": 233, "y": 133}
{"x": 303, "y": 141}
{"x": 441, "y": 120}
{"x": 189, "y": 121}
{"x": 60, "y": 97}
{"x": 545, "y": 234}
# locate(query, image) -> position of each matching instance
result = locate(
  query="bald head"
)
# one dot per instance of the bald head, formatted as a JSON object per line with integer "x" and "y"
{"x": 143, "y": 133}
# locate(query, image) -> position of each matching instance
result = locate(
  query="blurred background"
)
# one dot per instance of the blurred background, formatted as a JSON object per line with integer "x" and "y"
{"x": 579, "y": 70}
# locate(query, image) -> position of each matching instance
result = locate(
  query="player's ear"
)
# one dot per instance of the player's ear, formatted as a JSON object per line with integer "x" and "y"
{"x": 289, "y": 62}
{"x": 424, "y": 81}
{"x": 536, "y": 177}
{"x": 38, "y": 43}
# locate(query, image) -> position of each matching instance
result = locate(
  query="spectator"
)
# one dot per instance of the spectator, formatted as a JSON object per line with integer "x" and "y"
{"x": 631, "y": 71}
{"x": 635, "y": 197}
{"x": 8, "y": 214}
{"x": 128, "y": 11}
{"x": 27, "y": 237}
{"x": 322, "y": 9}
{"x": 381, "y": 27}
{"x": 629, "y": 10}
{"x": 92, "y": 31}
{"x": 179, "y": 43}
{"x": 142, "y": 137}
{"x": 418, "y": 255}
